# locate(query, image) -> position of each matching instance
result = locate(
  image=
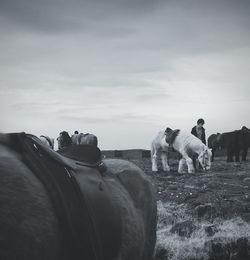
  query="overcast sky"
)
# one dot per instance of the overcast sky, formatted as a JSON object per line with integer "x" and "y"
{"x": 124, "y": 69}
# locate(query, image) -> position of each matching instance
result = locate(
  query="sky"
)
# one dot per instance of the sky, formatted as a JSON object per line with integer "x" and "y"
{"x": 124, "y": 69}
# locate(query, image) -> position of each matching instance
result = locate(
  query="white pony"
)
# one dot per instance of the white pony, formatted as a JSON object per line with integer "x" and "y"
{"x": 47, "y": 141}
{"x": 187, "y": 145}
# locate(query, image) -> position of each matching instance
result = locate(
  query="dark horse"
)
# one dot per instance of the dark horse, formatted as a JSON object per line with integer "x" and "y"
{"x": 64, "y": 140}
{"x": 235, "y": 142}
{"x": 119, "y": 201}
{"x": 213, "y": 142}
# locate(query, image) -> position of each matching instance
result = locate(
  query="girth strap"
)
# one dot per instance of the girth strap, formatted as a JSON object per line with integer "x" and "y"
{"x": 80, "y": 238}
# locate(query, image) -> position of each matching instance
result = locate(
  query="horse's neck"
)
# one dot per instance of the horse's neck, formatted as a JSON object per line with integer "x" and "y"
{"x": 199, "y": 149}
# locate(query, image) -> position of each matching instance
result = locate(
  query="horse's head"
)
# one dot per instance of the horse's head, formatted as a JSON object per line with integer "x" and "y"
{"x": 205, "y": 159}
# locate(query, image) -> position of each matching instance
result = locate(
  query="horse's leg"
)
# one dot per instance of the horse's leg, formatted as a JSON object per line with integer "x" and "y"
{"x": 154, "y": 159}
{"x": 244, "y": 154}
{"x": 194, "y": 159}
{"x": 229, "y": 155}
{"x": 189, "y": 162}
{"x": 164, "y": 160}
{"x": 182, "y": 162}
{"x": 237, "y": 155}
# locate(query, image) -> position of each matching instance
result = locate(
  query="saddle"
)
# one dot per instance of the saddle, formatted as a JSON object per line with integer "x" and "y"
{"x": 170, "y": 135}
{"x": 87, "y": 214}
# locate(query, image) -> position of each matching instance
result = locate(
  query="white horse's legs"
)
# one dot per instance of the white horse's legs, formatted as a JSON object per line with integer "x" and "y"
{"x": 164, "y": 160}
{"x": 190, "y": 165}
{"x": 154, "y": 163}
{"x": 189, "y": 161}
{"x": 154, "y": 159}
{"x": 182, "y": 162}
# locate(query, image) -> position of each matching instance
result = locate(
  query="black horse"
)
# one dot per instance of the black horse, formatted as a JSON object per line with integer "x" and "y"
{"x": 236, "y": 142}
{"x": 213, "y": 142}
{"x": 64, "y": 140}
{"x": 116, "y": 205}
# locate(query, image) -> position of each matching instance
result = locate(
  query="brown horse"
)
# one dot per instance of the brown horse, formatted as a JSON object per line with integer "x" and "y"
{"x": 235, "y": 142}
{"x": 121, "y": 206}
{"x": 213, "y": 142}
{"x": 64, "y": 140}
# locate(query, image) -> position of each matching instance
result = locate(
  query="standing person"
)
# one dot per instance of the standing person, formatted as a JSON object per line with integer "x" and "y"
{"x": 199, "y": 132}
{"x": 74, "y": 138}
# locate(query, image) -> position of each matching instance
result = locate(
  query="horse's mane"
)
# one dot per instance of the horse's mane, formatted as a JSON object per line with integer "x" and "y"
{"x": 4, "y": 139}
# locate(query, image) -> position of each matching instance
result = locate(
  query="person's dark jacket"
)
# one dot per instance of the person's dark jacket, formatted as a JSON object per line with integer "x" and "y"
{"x": 203, "y": 136}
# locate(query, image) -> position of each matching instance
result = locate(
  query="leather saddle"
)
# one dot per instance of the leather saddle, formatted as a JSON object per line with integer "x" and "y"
{"x": 170, "y": 135}
{"x": 87, "y": 214}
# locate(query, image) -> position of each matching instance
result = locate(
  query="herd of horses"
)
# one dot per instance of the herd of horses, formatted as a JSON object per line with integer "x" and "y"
{"x": 234, "y": 142}
{"x": 64, "y": 140}
{"x": 75, "y": 204}
{"x": 191, "y": 148}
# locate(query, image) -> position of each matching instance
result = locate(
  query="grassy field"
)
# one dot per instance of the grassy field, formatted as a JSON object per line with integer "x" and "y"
{"x": 205, "y": 215}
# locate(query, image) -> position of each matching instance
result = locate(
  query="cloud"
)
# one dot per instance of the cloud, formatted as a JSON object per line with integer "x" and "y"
{"x": 125, "y": 61}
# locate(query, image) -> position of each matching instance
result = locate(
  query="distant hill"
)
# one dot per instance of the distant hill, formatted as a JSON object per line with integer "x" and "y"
{"x": 143, "y": 153}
